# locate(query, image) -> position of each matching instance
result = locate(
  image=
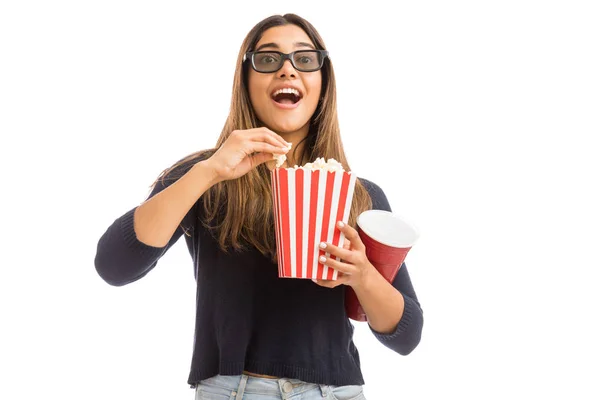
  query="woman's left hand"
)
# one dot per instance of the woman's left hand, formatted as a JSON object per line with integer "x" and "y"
{"x": 353, "y": 268}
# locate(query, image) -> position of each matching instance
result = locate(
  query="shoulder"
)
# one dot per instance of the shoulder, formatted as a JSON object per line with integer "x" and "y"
{"x": 371, "y": 186}
{"x": 378, "y": 197}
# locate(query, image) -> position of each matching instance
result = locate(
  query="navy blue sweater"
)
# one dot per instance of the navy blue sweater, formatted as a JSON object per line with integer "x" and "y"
{"x": 249, "y": 319}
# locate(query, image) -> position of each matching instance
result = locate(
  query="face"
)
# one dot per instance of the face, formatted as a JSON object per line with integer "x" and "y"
{"x": 279, "y": 112}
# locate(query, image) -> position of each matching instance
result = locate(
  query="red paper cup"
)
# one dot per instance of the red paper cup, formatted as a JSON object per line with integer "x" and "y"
{"x": 387, "y": 238}
{"x": 306, "y": 205}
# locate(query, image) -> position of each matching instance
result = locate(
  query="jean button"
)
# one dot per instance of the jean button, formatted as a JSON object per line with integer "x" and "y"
{"x": 287, "y": 387}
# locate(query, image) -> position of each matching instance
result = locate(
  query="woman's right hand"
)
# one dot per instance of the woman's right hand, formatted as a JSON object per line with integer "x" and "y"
{"x": 244, "y": 150}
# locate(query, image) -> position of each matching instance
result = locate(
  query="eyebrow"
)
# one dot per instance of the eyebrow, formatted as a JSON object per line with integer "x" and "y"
{"x": 276, "y": 46}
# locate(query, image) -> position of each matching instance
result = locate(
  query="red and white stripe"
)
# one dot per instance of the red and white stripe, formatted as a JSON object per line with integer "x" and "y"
{"x": 307, "y": 204}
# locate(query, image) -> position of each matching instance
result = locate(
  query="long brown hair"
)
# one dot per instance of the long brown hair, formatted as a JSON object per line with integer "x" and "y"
{"x": 239, "y": 211}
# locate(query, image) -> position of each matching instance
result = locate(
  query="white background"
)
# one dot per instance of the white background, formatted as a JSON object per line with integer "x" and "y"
{"x": 477, "y": 119}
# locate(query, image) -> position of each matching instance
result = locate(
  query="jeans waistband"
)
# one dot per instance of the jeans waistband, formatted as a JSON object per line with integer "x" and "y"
{"x": 284, "y": 388}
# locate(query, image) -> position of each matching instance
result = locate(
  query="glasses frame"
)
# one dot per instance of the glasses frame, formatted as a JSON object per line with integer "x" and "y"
{"x": 289, "y": 56}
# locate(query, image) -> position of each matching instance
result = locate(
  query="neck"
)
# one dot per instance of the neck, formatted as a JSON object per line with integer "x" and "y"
{"x": 297, "y": 148}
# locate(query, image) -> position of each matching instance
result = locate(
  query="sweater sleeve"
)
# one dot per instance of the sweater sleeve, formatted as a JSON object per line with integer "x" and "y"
{"x": 120, "y": 257}
{"x": 407, "y": 334}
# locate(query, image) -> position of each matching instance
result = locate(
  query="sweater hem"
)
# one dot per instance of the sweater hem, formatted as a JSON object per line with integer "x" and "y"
{"x": 281, "y": 370}
{"x": 403, "y": 324}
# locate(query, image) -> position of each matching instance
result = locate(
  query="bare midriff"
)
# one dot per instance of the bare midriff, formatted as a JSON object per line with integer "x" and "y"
{"x": 260, "y": 376}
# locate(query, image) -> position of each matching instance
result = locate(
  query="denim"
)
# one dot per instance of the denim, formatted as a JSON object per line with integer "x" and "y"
{"x": 244, "y": 387}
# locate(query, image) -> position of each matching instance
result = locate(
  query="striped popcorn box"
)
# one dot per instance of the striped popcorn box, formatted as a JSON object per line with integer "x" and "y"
{"x": 306, "y": 205}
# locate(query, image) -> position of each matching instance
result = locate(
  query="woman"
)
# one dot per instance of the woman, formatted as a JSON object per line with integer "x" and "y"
{"x": 258, "y": 336}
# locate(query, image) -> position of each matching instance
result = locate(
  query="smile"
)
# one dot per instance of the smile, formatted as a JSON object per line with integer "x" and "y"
{"x": 286, "y": 97}
{"x": 286, "y": 106}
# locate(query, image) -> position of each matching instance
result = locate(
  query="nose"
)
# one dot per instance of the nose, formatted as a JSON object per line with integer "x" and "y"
{"x": 287, "y": 70}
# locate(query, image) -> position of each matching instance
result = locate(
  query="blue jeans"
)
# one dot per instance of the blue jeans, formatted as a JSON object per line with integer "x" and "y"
{"x": 244, "y": 387}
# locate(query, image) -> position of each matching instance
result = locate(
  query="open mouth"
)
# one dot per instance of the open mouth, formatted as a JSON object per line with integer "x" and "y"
{"x": 286, "y": 96}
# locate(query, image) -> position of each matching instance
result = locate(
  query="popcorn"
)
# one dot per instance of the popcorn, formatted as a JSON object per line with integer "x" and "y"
{"x": 281, "y": 158}
{"x": 331, "y": 165}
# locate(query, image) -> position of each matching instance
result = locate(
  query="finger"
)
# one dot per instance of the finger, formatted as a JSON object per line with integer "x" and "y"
{"x": 260, "y": 158}
{"x": 262, "y": 147}
{"x": 327, "y": 284}
{"x": 273, "y": 138}
{"x": 337, "y": 265}
{"x": 344, "y": 254}
{"x": 262, "y": 139}
{"x": 341, "y": 280}
{"x": 352, "y": 235}
{"x": 346, "y": 244}
{"x": 278, "y": 138}
{"x": 260, "y": 135}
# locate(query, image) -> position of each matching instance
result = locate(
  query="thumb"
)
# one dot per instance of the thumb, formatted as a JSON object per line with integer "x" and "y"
{"x": 260, "y": 158}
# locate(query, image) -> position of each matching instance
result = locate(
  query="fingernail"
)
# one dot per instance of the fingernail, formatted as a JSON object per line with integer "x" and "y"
{"x": 323, "y": 245}
{"x": 314, "y": 280}
{"x": 340, "y": 224}
{"x": 322, "y": 259}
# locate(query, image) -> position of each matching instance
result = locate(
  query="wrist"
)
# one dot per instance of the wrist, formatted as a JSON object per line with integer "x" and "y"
{"x": 368, "y": 279}
{"x": 207, "y": 170}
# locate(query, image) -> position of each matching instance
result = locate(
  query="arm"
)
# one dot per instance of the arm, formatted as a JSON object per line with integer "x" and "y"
{"x": 133, "y": 244}
{"x": 394, "y": 314}
{"x": 393, "y": 310}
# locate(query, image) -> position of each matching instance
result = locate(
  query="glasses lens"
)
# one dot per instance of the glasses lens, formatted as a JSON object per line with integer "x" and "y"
{"x": 267, "y": 62}
{"x": 307, "y": 60}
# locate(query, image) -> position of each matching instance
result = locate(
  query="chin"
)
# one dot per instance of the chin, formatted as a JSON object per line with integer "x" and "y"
{"x": 287, "y": 127}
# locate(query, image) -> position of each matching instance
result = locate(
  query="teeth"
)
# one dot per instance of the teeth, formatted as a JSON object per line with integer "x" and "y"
{"x": 287, "y": 90}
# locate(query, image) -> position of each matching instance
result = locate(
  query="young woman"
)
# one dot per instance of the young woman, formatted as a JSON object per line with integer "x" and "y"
{"x": 256, "y": 335}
